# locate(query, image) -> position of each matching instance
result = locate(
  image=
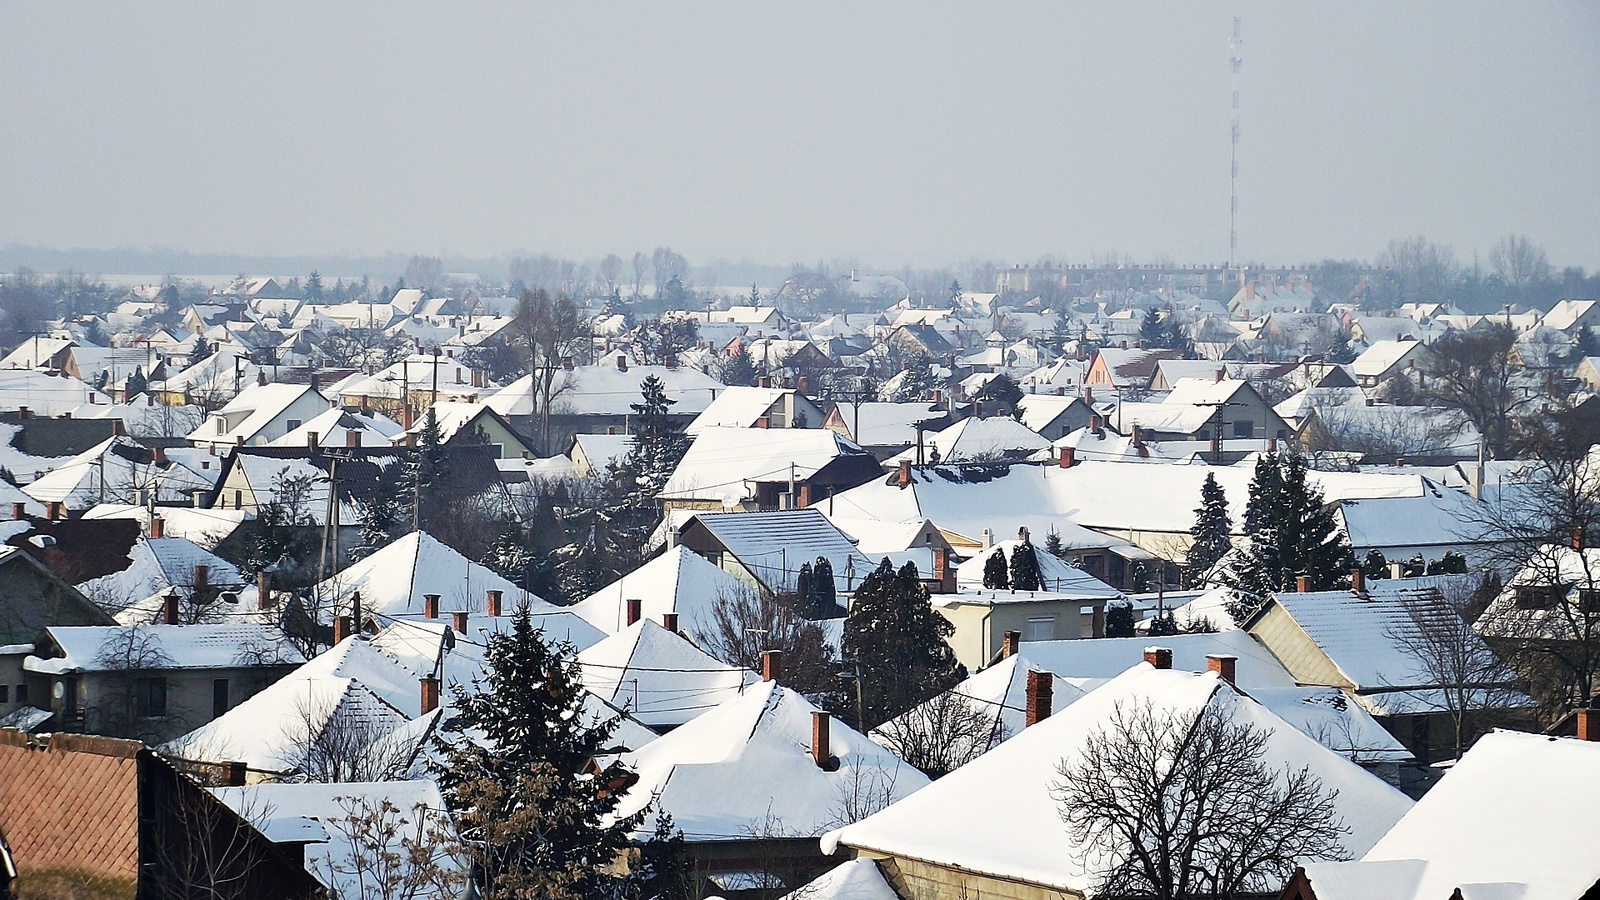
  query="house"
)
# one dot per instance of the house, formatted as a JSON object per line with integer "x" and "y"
{"x": 39, "y": 352}
{"x": 974, "y": 440}
{"x": 260, "y": 415}
{"x": 117, "y": 470}
{"x": 1369, "y": 642}
{"x": 982, "y": 617}
{"x": 593, "y": 454}
{"x": 78, "y": 810}
{"x": 758, "y": 407}
{"x": 766, "y": 549}
{"x": 754, "y": 782}
{"x": 154, "y": 567}
{"x": 1119, "y": 368}
{"x": 678, "y": 583}
{"x": 339, "y": 427}
{"x": 1384, "y": 360}
{"x": 1551, "y": 599}
{"x": 1515, "y": 817}
{"x": 1054, "y": 416}
{"x": 33, "y": 392}
{"x": 461, "y": 424}
{"x": 32, "y": 599}
{"x": 599, "y": 400}
{"x": 152, "y": 682}
{"x": 1441, "y": 520}
{"x": 1201, "y": 409}
{"x": 920, "y": 340}
{"x": 930, "y": 845}
{"x": 657, "y": 676}
{"x": 1573, "y": 316}
{"x": 884, "y": 429}
{"x": 765, "y": 469}
{"x": 402, "y": 390}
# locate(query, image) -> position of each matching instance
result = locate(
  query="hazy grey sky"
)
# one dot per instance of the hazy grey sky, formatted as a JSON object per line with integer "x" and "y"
{"x": 897, "y": 132}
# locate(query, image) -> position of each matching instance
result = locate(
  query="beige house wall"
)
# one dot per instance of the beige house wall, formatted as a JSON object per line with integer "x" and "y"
{"x": 916, "y": 880}
{"x": 1296, "y": 650}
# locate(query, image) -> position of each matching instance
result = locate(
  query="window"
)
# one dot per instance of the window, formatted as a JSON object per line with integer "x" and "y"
{"x": 1040, "y": 628}
{"x": 1589, "y": 600}
{"x": 5, "y": 693}
{"x": 1535, "y": 596}
{"x": 219, "y": 697}
{"x": 22, "y": 693}
{"x": 150, "y": 697}
{"x": 1244, "y": 429}
{"x": 293, "y": 424}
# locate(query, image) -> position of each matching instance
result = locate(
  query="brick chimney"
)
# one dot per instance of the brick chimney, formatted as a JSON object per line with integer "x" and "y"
{"x": 1223, "y": 664}
{"x": 169, "y": 609}
{"x": 1097, "y": 626}
{"x": 669, "y": 621}
{"x": 771, "y": 665}
{"x": 202, "y": 580}
{"x": 1302, "y": 584}
{"x": 236, "y": 774}
{"x": 352, "y": 437}
{"x": 1160, "y": 657}
{"x": 458, "y": 621}
{"x": 430, "y": 693}
{"x": 1040, "y": 697}
{"x": 19, "y": 511}
{"x": 341, "y": 629}
{"x": 491, "y": 602}
{"x": 311, "y": 440}
{"x": 1009, "y": 643}
{"x": 1577, "y": 538}
{"x": 1069, "y": 457}
{"x": 264, "y": 598}
{"x": 159, "y": 454}
{"x": 635, "y": 609}
{"x": 1358, "y": 580}
{"x": 820, "y": 751}
{"x": 430, "y": 606}
{"x": 622, "y": 362}
{"x": 903, "y": 479}
{"x": 158, "y": 526}
{"x": 943, "y": 572}
{"x": 53, "y": 510}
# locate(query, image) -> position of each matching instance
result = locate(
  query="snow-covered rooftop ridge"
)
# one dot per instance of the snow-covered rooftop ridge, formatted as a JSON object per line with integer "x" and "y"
{"x": 1056, "y": 576}
{"x": 97, "y": 648}
{"x": 678, "y": 581}
{"x": 659, "y": 677}
{"x": 394, "y": 580}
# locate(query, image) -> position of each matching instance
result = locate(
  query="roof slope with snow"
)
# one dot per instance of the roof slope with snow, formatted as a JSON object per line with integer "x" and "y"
{"x": 658, "y": 677}
{"x": 970, "y": 439}
{"x": 1028, "y": 842}
{"x": 678, "y": 581}
{"x": 393, "y": 581}
{"x": 726, "y": 463}
{"x": 773, "y": 545}
{"x": 609, "y": 391}
{"x": 156, "y": 564}
{"x": 97, "y": 648}
{"x": 1055, "y": 575}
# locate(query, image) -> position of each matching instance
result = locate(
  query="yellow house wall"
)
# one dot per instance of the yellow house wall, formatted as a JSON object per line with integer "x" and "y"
{"x": 1295, "y": 649}
{"x": 917, "y": 880}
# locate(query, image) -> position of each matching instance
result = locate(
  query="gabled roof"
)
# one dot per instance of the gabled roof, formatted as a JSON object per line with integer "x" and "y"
{"x": 678, "y": 581}
{"x": 115, "y": 469}
{"x": 739, "y": 407}
{"x": 1381, "y": 356}
{"x": 727, "y": 463}
{"x": 156, "y": 564}
{"x": 393, "y": 580}
{"x": 334, "y": 427}
{"x": 1516, "y": 817}
{"x": 658, "y": 677}
{"x": 46, "y": 394}
{"x": 997, "y": 437}
{"x": 99, "y": 648}
{"x": 748, "y": 761}
{"x": 773, "y": 545}
{"x": 259, "y": 405}
{"x": 1027, "y": 842}
{"x": 1056, "y": 575}
{"x": 609, "y": 391}
{"x": 1001, "y": 693}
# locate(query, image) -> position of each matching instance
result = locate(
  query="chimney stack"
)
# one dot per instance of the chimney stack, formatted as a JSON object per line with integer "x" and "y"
{"x": 1160, "y": 657}
{"x": 159, "y": 454}
{"x": 1588, "y": 725}
{"x": 341, "y": 629}
{"x": 352, "y": 437}
{"x": 943, "y": 571}
{"x": 158, "y": 526}
{"x": 1069, "y": 457}
{"x": 904, "y": 477}
{"x": 669, "y": 621}
{"x": 458, "y": 621}
{"x": 311, "y": 441}
{"x": 430, "y": 606}
{"x": 1577, "y": 538}
{"x": 236, "y": 773}
{"x": 264, "y": 598}
{"x": 430, "y": 693}
{"x": 1302, "y": 584}
{"x": 635, "y": 609}
{"x": 1097, "y": 627}
{"x": 492, "y": 602}
{"x": 1358, "y": 580}
{"x": 1040, "y": 698}
{"x": 53, "y": 510}
{"x": 820, "y": 752}
{"x": 771, "y": 665}
{"x": 1223, "y": 664}
{"x": 19, "y": 511}
{"x": 202, "y": 581}
{"x": 169, "y": 609}
{"x": 622, "y": 362}
{"x": 1009, "y": 643}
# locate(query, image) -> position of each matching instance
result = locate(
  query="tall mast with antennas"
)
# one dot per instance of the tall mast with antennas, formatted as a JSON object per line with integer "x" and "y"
{"x": 1235, "y": 57}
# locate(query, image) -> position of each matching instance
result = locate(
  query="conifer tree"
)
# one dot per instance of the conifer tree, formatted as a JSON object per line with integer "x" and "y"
{"x": 1119, "y": 619}
{"x": 513, "y": 751}
{"x": 896, "y": 641}
{"x": 1212, "y": 530}
{"x": 825, "y": 597}
{"x": 996, "y": 575}
{"x": 1025, "y": 567}
{"x": 736, "y": 369}
{"x": 1053, "y": 545}
{"x": 805, "y": 587}
{"x": 1291, "y": 533}
{"x": 1374, "y": 565}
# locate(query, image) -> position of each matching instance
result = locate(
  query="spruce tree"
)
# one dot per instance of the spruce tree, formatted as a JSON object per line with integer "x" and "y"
{"x": 1374, "y": 566}
{"x": 514, "y": 748}
{"x": 996, "y": 575}
{"x": 1024, "y": 567}
{"x": 825, "y": 597}
{"x": 1291, "y": 533}
{"x": 805, "y": 587}
{"x": 1212, "y": 530}
{"x": 736, "y": 369}
{"x": 1053, "y": 545}
{"x": 1119, "y": 619}
{"x": 896, "y": 640}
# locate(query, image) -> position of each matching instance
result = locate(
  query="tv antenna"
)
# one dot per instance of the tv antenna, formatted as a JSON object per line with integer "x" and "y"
{"x": 1235, "y": 57}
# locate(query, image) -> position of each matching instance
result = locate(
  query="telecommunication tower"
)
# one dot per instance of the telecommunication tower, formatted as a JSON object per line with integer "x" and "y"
{"x": 1235, "y": 57}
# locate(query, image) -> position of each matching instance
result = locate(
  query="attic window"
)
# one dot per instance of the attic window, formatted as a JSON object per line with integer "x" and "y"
{"x": 1589, "y": 600}
{"x": 1536, "y": 596}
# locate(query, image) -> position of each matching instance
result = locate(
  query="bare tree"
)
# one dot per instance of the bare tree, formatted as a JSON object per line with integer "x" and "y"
{"x": 863, "y": 790}
{"x": 1183, "y": 805}
{"x": 744, "y": 623}
{"x": 1424, "y": 269}
{"x": 392, "y": 854}
{"x": 1475, "y": 687}
{"x": 1472, "y": 373}
{"x": 203, "y": 850}
{"x": 943, "y": 734}
{"x": 640, "y": 263}
{"x": 610, "y": 271}
{"x": 1519, "y": 261}
{"x": 332, "y": 738}
{"x": 134, "y": 700}
{"x": 424, "y": 272}
{"x": 547, "y": 330}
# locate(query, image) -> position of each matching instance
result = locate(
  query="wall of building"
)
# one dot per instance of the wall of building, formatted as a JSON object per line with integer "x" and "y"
{"x": 916, "y": 880}
{"x": 1296, "y": 650}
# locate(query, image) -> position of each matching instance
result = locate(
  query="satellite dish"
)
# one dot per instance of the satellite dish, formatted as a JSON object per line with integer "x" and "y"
{"x": 42, "y": 541}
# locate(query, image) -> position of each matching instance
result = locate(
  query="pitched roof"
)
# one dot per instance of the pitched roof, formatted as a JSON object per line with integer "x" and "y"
{"x": 996, "y": 437}
{"x": 393, "y": 580}
{"x": 155, "y": 564}
{"x": 658, "y": 677}
{"x": 726, "y": 463}
{"x": 773, "y": 545}
{"x": 1028, "y": 843}
{"x": 739, "y": 407}
{"x": 609, "y": 391}
{"x": 678, "y": 581}
{"x": 96, "y": 648}
{"x": 1056, "y": 575}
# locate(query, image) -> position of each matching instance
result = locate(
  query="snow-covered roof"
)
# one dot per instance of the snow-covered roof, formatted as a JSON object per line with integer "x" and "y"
{"x": 886, "y": 424}
{"x": 98, "y": 648}
{"x": 44, "y": 393}
{"x": 205, "y": 527}
{"x": 254, "y": 409}
{"x": 1056, "y": 575}
{"x": 1001, "y": 693}
{"x": 678, "y": 581}
{"x": 996, "y": 437}
{"x": 599, "y": 451}
{"x": 739, "y": 407}
{"x": 726, "y": 463}
{"x": 155, "y": 564}
{"x": 393, "y": 580}
{"x": 1516, "y": 817}
{"x": 1381, "y": 356}
{"x": 773, "y": 545}
{"x": 334, "y": 427}
{"x": 1027, "y": 841}
{"x": 659, "y": 677}
{"x": 1549, "y": 565}
{"x": 1442, "y": 516}
{"x": 609, "y": 391}
{"x": 748, "y": 762}
{"x": 858, "y": 879}
{"x": 111, "y": 470}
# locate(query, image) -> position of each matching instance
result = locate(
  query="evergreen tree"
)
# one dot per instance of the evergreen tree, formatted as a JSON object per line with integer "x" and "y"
{"x": 628, "y": 509}
{"x": 1119, "y": 619}
{"x": 136, "y": 383}
{"x": 918, "y": 382}
{"x": 1374, "y": 566}
{"x": 1053, "y": 545}
{"x": 896, "y": 640}
{"x": 1061, "y": 333}
{"x": 509, "y": 557}
{"x": 1000, "y": 394}
{"x": 513, "y": 753}
{"x": 313, "y": 288}
{"x": 825, "y": 597}
{"x": 1163, "y": 624}
{"x": 805, "y": 587}
{"x": 1212, "y": 530}
{"x": 736, "y": 369}
{"x": 1025, "y": 567}
{"x": 428, "y": 466}
{"x": 1291, "y": 532}
{"x": 996, "y": 575}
